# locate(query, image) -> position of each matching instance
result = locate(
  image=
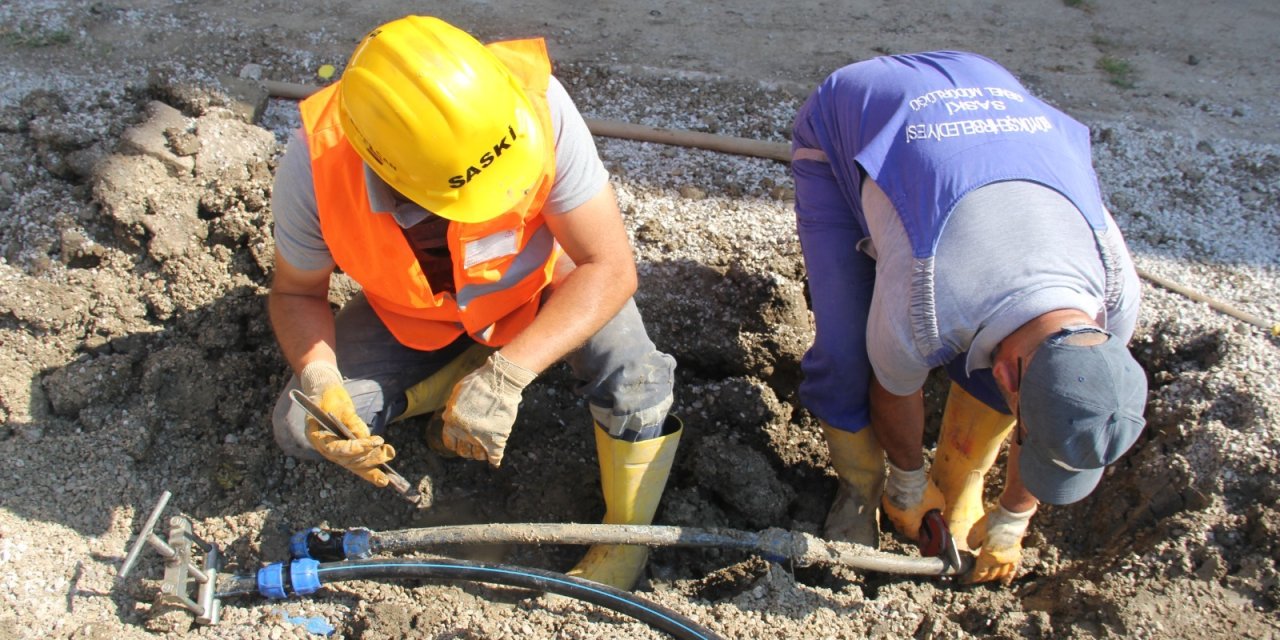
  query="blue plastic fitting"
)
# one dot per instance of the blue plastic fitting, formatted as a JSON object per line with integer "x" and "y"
{"x": 271, "y": 581}
{"x": 298, "y": 543}
{"x": 304, "y": 573}
{"x": 356, "y": 544}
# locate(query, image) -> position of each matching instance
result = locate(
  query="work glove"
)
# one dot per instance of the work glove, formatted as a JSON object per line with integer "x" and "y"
{"x": 435, "y": 436}
{"x": 908, "y": 495}
{"x": 999, "y": 534}
{"x": 482, "y": 408}
{"x": 322, "y": 382}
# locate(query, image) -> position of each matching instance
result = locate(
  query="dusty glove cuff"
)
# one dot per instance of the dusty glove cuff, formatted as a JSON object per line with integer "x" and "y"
{"x": 1005, "y": 529}
{"x": 1005, "y": 516}
{"x": 905, "y": 489}
{"x": 516, "y": 375}
{"x": 318, "y": 376}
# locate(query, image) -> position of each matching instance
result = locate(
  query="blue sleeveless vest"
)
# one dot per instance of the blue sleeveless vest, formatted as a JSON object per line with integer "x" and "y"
{"x": 932, "y": 128}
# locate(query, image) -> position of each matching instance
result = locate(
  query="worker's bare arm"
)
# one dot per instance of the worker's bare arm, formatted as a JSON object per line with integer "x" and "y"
{"x": 299, "y": 308}
{"x": 898, "y": 422}
{"x": 1015, "y": 496}
{"x": 594, "y": 237}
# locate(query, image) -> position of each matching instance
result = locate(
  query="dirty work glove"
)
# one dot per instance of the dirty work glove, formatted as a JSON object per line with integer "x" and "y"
{"x": 908, "y": 495}
{"x": 999, "y": 533}
{"x": 435, "y": 436}
{"x": 482, "y": 408}
{"x": 322, "y": 382}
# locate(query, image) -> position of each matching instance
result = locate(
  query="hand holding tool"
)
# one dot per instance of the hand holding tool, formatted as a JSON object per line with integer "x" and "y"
{"x": 338, "y": 429}
{"x": 999, "y": 534}
{"x": 908, "y": 496}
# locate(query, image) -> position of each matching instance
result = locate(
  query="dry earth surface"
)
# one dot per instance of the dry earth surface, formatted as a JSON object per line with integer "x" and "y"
{"x": 136, "y": 357}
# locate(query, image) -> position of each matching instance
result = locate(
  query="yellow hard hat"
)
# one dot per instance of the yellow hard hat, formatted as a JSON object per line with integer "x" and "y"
{"x": 439, "y": 118}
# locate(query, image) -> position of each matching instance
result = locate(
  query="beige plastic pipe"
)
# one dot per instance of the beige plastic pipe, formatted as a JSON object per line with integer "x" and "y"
{"x": 1272, "y": 328}
{"x": 781, "y": 152}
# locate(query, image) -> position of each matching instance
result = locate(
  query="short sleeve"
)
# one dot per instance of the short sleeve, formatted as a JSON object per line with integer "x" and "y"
{"x": 293, "y": 205}
{"x": 580, "y": 174}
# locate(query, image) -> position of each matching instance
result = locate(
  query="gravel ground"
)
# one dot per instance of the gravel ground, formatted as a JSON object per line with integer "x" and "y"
{"x": 135, "y": 250}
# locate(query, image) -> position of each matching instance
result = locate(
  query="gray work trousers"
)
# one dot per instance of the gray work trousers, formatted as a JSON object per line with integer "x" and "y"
{"x": 627, "y": 382}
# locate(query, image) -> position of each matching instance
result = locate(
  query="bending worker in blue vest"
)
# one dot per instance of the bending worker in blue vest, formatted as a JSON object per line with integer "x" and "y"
{"x": 948, "y": 218}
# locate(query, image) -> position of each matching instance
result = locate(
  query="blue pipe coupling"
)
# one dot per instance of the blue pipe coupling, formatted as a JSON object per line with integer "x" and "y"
{"x": 356, "y": 544}
{"x": 298, "y": 544}
{"x": 302, "y": 578}
{"x": 331, "y": 546}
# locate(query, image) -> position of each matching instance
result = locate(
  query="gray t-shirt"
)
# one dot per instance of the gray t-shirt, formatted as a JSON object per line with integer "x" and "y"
{"x": 580, "y": 175}
{"x": 1010, "y": 251}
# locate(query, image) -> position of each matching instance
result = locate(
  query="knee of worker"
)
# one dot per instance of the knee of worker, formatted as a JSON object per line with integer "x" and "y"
{"x": 634, "y": 396}
{"x": 620, "y": 367}
{"x": 372, "y": 404}
{"x": 289, "y": 421}
{"x": 635, "y": 425}
{"x": 289, "y": 426}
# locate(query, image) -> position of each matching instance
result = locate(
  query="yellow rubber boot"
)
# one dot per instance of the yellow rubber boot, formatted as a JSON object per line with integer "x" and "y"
{"x": 859, "y": 462}
{"x": 431, "y": 394}
{"x": 632, "y": 476}
{"x": 967, "y": 447}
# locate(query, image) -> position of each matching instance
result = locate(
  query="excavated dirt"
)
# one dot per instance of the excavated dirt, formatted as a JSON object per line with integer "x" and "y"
{"x": 135, "y": 251}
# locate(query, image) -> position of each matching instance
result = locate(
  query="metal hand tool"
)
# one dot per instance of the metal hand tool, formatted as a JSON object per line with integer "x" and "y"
{"x": 937, "y": 540}
{"x": 335, "y": 426}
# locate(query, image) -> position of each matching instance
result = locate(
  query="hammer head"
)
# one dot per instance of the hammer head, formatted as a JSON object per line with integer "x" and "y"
{"x": 936, "y": 539}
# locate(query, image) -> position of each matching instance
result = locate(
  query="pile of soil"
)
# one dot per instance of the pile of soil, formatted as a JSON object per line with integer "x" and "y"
{"x": 135, "y": 255}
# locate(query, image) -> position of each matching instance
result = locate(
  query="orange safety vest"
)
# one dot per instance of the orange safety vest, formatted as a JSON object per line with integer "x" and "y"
{"x": 500, "y": 266}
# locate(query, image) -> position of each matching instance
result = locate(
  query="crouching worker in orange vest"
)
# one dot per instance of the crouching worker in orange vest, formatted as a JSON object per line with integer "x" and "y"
{"x": 460, "y": 187}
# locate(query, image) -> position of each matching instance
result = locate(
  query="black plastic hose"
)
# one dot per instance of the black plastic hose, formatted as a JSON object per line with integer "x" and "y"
{"x": 624, "y": 602}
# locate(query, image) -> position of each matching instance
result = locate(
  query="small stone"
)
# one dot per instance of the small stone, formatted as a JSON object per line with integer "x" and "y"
{"x": 247, "y": 99}
{"x": 692, "y": 193}
{"x": 182, "y": 141}
{"x": 31, "y": 433}
{"x": 251, "y": 71}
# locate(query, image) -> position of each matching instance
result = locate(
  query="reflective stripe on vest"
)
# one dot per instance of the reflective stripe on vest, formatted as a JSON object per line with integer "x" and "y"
{"x": 500, "y": 266}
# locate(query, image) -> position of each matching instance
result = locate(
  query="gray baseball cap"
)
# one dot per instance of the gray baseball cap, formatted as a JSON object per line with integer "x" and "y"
{"x": 1081, "y": 407}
